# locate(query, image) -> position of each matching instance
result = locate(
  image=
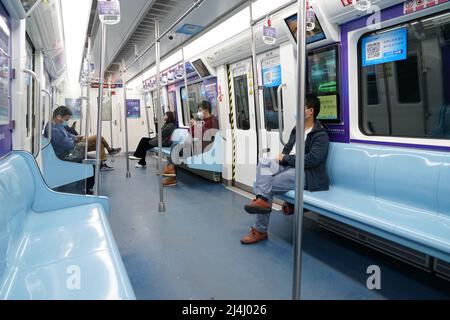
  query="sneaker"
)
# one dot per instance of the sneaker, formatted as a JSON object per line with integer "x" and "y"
{"x": 170, "y": 182}
{"x": 258, "y": 206}
{"x": 140, "y": 165}
{"x": 115, "y": 151}
{"x": 254, "y": 236}
{"x": 105, "y": 167}
{"x": 134, "y": 158}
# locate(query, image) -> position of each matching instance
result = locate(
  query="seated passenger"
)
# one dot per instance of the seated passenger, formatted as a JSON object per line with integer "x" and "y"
{"x": 206, "y": 122}
{"x": 276, "y": 176}
{"x": 69, "y": 147}
{"x": 147, "y": 144}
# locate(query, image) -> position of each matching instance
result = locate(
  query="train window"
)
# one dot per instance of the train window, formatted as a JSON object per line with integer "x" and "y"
{"x": 372, "y": 87}
{"x": 196, "y": 95}
{"x": 323, "y": 81}
{"x": 271, "y": 108}
{"x": 408, "y": 80}
{"x": 241, "y": 101}
{"x": 403, "y": 92}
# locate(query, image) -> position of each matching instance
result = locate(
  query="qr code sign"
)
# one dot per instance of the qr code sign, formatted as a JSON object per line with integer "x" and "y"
{"x": 268, "y": 77}
{"x": 373, "y": 50}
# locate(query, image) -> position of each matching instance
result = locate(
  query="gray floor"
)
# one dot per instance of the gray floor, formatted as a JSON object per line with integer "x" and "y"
{"x": 192, "y": 251}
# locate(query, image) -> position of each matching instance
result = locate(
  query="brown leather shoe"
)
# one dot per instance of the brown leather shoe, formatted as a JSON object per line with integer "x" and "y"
{"x": 288, "y": 209}
{"x": 170, "y": 171}
{"x": 258, "y": 206}
{"x": 170, "y": 182}
{"x": 254, "y": 236}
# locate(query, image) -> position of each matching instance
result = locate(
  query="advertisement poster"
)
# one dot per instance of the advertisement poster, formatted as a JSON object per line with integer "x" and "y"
{"x": 386, "y": 47}
{"x": 328, "y": 107}
{"x": 134, "y": 108}
{"x": 272, "y": 76}
{"x": 75, "y": 106}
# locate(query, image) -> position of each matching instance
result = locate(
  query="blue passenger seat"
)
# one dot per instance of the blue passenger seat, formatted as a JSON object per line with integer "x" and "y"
{"x": 54, "y": 245}
{"x": 57, "y": 172}
{"x": 211, "y": 159}
{"x": 178, "y": 136}
{"x": 402, "y": 195}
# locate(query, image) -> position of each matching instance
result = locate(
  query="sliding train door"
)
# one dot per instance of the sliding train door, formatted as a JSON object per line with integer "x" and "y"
{"x": 243, "y": 104}
{"x": 276, "y": 107}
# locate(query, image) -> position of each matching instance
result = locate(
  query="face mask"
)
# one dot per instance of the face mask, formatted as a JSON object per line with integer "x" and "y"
{"x": 66, "y": 123}
{"x": 200, "y": 115}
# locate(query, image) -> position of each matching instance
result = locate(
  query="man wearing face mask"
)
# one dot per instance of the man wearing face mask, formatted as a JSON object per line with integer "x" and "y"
{"x": 277, "y": 176}
{"x": 207, "y": 121}
{"x": 67, "y": 146}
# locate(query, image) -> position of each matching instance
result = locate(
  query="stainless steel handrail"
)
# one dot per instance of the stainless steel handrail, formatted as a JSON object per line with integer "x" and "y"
{"x": 50, "y": 118}
{"x": 280, "y": 113}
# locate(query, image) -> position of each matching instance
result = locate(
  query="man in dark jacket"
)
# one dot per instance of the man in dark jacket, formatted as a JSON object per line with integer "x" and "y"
{"x": 278, "y": 176}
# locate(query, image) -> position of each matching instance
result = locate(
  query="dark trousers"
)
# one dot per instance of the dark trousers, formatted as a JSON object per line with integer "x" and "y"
{"x": 144, "y": 145}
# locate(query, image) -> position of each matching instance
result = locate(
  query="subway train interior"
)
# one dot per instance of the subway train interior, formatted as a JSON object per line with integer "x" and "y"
{"x": 145, "y": 145}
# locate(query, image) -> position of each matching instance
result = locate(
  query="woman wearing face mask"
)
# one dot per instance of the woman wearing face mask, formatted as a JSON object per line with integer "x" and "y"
{"x": 147, "y": 144}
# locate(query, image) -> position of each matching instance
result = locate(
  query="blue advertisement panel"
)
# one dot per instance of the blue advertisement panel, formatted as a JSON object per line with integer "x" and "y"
{"x": 386, "y": 47}
{"x": 272, "y": 76}
{"x": 133, "y": 108}
{"x": 75, "y": 106}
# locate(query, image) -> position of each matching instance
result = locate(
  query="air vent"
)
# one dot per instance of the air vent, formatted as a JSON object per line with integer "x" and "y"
{"x": 410, "y": 256}
{"x": 442, "y": 268}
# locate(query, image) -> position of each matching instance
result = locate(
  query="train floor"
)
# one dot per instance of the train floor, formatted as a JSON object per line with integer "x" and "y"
{"x": 193, "y": 250}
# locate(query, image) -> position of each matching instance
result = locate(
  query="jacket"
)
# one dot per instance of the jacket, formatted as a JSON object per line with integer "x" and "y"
{"x": 62, "y": 141}
{"x": 166, "y": 132}
{"x": 316, "y": 151}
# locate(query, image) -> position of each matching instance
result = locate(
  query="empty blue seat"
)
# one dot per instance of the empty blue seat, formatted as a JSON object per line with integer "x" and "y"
{"x": 396, "y": 193}
{"x": 54, "y": 245}
{"x": 211, "y": 159}
{"x": 178, "y": 136}
{"x": 57, "y": 172}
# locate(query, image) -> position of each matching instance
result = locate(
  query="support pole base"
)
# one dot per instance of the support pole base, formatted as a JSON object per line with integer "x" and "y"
{"x": 128, "y": 174}
{"x": 162, "y": 207}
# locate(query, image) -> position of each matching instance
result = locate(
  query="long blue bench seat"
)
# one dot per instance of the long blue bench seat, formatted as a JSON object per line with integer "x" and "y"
{"x": 210, "y": 160}
{"x": 402, "y": 195}
{"x": 178, "y": 136}
{"x": 54, "y": 245}
{"x": 59, "y": 173}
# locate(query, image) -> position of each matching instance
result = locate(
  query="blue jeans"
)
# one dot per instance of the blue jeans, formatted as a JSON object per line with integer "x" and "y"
{"x": 271, "y": 178}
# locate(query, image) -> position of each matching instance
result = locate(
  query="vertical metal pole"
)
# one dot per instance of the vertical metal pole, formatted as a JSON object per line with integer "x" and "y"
{"x": 300, "y": 140}
{"x": 255, "y": 84}
{"x": 88, "y": 118}
{"x": 147, "y": 118}
{"x": 111, "y": 121}
{"x": 187, "y": 114}
{"x": 124, "y": 80}
{"x": 81, "y": 111}
{"x": 162, "y": 206}
{"x": 99, "y": 112}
